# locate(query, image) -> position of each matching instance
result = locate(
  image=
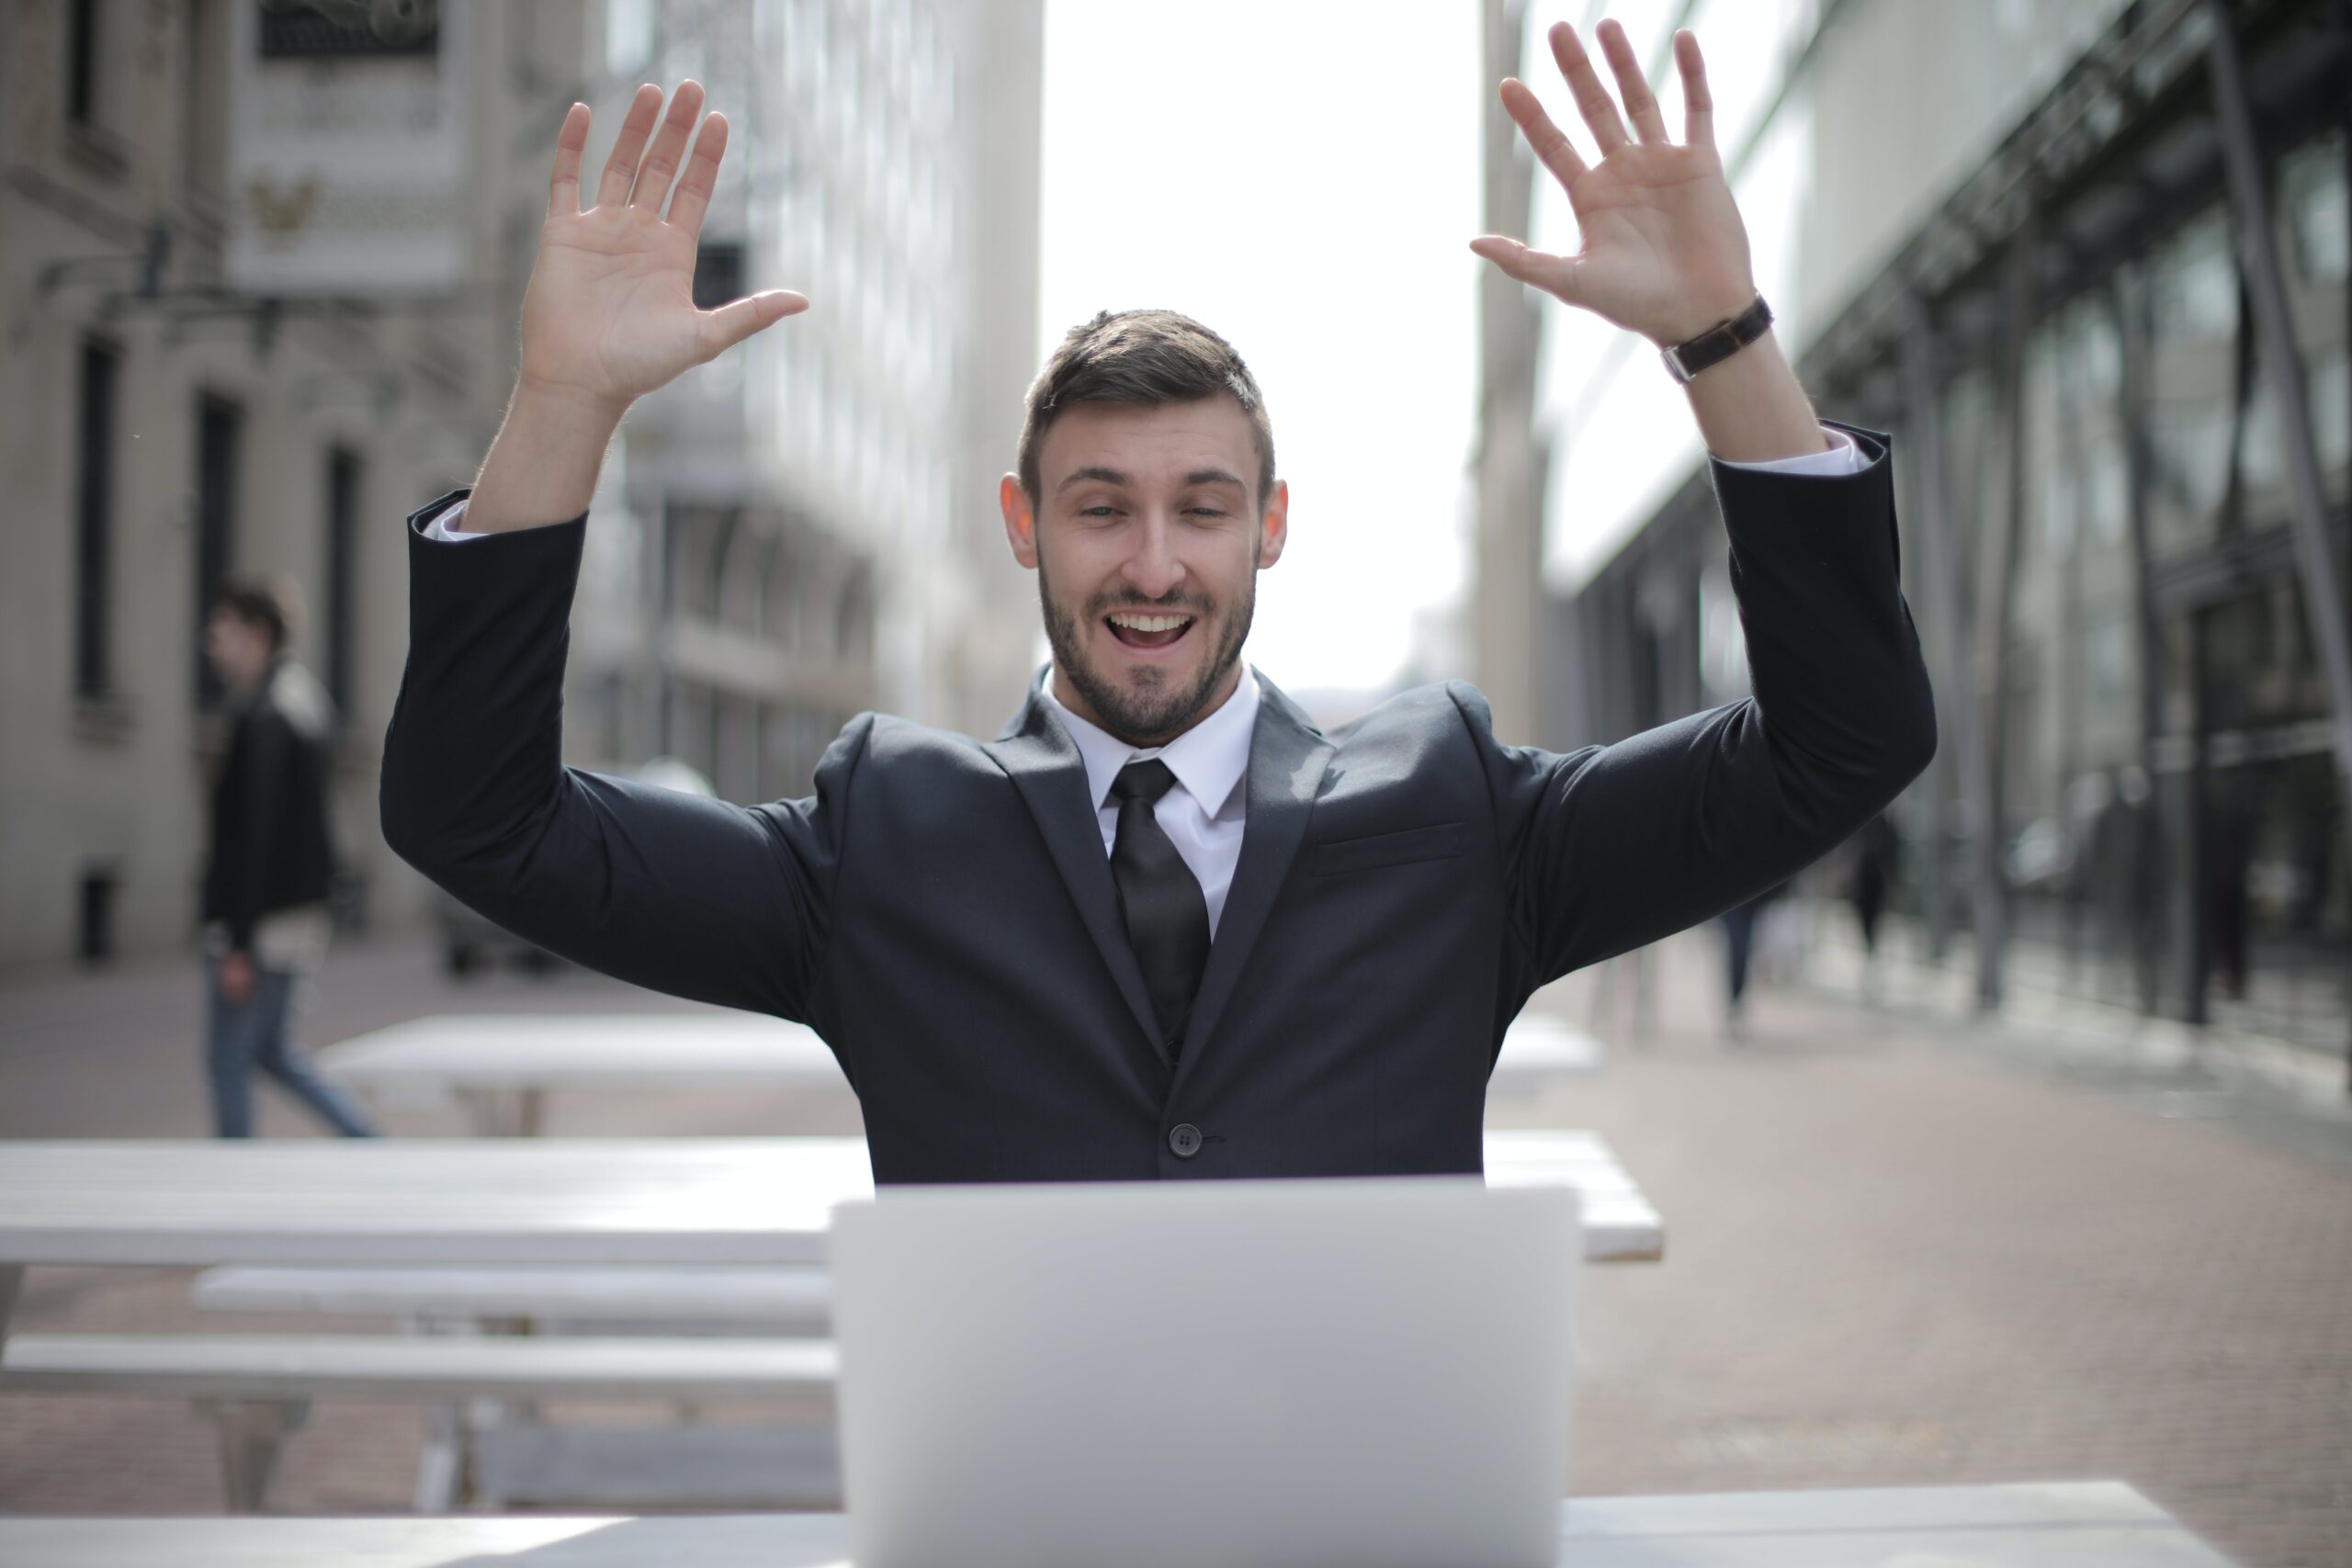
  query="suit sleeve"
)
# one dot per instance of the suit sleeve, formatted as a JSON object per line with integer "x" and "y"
{"x": 1612, "y": 847}
{"x": 675, "y": 892}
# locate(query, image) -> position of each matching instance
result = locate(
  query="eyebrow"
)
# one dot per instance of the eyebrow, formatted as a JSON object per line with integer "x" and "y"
{"x": 1114, "y": 476}
{"x": 1107, "y": 476}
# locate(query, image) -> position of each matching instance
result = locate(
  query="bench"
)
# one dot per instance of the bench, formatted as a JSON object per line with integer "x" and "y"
{"x": 714, "y": 1466}
{"x": 2082, "y": 1524}
{"x": 256, "y": 1389}
{"x": 787, "y": 1301}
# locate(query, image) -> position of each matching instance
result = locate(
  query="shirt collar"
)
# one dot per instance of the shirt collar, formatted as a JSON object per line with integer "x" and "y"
{"x": 1208, "y": 759}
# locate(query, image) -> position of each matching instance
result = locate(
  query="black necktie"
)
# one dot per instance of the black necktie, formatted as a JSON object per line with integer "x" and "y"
{"x": 1167, "y": 920}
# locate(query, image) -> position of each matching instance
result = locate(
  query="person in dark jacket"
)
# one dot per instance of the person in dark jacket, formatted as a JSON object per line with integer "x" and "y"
{"x": 272, "y": 859}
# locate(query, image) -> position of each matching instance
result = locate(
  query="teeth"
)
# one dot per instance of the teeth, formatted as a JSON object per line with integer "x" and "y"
{"x": 1150, "y": 623}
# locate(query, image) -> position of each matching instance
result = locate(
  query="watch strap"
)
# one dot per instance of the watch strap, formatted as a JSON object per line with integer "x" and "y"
{"x": 1718, "y": 343}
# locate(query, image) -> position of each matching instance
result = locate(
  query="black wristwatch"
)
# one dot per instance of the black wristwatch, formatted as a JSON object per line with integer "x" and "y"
{"x": 1718, "y": 343}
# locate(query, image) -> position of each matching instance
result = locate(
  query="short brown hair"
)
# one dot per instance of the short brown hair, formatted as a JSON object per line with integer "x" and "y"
{"x": 1144, "y": 359}
{"x": 273, "y": 604}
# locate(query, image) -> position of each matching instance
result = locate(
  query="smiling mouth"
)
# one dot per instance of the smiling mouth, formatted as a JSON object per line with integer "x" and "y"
{"x": 1136, "y": 629}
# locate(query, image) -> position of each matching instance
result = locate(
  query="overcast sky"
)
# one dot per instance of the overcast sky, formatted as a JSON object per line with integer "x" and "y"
{"x": 1303, "y": 178}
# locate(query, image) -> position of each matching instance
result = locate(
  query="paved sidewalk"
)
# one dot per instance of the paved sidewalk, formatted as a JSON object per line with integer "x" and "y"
{"x": 1893, "y": 1258}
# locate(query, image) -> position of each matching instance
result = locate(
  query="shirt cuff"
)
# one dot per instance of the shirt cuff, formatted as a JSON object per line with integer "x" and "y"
{"x": 1842, "y": 458}
{"x": 444, "y": 526}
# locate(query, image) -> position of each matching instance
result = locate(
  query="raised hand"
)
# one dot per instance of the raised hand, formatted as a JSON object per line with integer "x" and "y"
{"x": 1663, "y": 252}
{"x": 609, "y": 312}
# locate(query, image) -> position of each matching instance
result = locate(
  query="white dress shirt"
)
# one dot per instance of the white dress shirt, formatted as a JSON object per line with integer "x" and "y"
{"x": 1204, "y": 814}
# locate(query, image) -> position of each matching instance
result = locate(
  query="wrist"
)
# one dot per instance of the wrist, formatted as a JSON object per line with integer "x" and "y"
{"x": 1752, "y": 409}
{"x": 555, "y": 405}
{"x": 543, "y": 467}
{"x": 1703, "y": 311}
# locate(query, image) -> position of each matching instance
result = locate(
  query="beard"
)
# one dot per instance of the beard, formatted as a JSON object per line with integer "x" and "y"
{"x": 1159, "y": 707}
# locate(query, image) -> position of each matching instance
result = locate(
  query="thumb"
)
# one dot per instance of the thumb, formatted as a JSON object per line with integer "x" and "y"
{"x": 733, "y": 323}
{"x": 1555, "y": 274}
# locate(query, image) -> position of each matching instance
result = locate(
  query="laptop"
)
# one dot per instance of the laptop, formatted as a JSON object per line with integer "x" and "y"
{"x": 1368, "y": 1373}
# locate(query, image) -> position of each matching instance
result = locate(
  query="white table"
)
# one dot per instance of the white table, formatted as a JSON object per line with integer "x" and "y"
{"x": 2098, "y": 1524}
{"x": 571, "y": 1201}
{"x": 503, "y": 1067}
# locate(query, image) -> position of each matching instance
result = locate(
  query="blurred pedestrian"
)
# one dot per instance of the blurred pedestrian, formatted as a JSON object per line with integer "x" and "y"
{"x": 1876, "y": 849}
{"x": 1739, "y": 945}
{"x": 271, "y": 862}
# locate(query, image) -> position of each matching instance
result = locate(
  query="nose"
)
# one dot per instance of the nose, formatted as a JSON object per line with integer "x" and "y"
{"x": 1153, "y": 570}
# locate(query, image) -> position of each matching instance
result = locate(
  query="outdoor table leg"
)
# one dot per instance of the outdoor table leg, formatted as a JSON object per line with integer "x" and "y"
{"x": 12, "y": 1284}
{"x": 490, "y": 1110}
{"x": 251, "y": 1434}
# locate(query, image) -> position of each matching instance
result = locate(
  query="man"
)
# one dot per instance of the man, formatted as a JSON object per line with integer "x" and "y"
{"x": 1162, "y": 926}
{"x": 272, "y": 859}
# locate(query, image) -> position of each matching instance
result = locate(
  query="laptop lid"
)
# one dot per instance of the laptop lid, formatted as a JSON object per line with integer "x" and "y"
{"x": 1279, "y": 1374}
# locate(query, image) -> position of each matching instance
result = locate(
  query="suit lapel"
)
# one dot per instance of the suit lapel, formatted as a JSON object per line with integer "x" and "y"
{"x": 1037, "y": 754}
{"x": 1287, "y": 757}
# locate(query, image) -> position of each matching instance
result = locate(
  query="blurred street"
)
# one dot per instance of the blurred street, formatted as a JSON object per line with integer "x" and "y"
{"x": 1899, "y": 1251}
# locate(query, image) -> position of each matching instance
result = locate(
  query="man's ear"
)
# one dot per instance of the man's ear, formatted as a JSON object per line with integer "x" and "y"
{"x": 1020, "y": 521}
{"x": 1274, "y": 529}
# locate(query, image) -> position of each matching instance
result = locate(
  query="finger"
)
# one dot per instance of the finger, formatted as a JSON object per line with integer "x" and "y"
{"x": 729, "y": 324}
{"x": 1555, "y": 274}
{"x": 693, "y": 197}
{"x": 1697, "y": 104}
{"x": 563, "y": 185}
{"x": 1545, "y": 139}
{"x": 669, "y": 149}
{"x": 1641, "y": 104}
{"x": 620, "y": 168}
{"x": 1593, "y": 101}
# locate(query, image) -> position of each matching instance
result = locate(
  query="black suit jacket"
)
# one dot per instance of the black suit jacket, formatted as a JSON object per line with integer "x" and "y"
{"x": 942, "y": 912}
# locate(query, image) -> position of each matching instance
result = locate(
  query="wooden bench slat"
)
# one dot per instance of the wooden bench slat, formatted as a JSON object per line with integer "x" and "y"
{"x": 714, "y": 1466}
{"x": 257, "y": 1366}
{"x": 787, "y": 1299}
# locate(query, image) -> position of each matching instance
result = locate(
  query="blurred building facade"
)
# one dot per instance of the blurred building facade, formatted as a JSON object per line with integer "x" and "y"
{"x": 208, "y": 368}
{"x": 2089, "y": 267}
{"x": 262, "y": 276}
{"x": 807, "y": 527}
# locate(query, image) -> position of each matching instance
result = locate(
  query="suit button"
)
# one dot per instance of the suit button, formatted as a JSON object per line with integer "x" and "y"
{"x": 1184, "y": 1139}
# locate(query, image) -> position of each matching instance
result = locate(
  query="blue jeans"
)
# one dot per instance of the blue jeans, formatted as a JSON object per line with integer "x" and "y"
{"x": 257, "y": 1033}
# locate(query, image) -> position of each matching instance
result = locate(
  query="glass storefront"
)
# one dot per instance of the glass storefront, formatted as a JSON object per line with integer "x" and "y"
{"x": 2127, "y": 627}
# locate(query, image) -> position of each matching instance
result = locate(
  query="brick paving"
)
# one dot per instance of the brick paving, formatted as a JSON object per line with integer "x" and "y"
{"x": 1894, "y": 1256}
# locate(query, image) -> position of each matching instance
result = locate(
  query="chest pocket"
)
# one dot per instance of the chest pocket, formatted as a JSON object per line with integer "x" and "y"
{"x": 1442, "y": 841}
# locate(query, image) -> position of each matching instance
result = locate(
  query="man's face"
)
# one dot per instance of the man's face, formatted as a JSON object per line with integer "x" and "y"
{"x": 238, "y": 649}
{"x": 1147, "y": 534}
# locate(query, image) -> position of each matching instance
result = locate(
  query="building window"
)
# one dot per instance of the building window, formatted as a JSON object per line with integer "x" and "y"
{"x": 93, "y": 941}
{"x": 718, "y": 273}
{"x": 2192, "y": 303}
{"x": 219, "y": 430}
{"x": 84, "y": 30}
{"x": 2311, "y": 196}
{"x": 342, "y": 602}
{"x": 94, "y": 525}
{"x": 204, "y": 130}
{"x": 629, "y": 37}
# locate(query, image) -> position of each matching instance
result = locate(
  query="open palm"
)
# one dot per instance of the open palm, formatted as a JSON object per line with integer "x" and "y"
{"x": 1663, "y": 252}
{"x": 609, "y": 314}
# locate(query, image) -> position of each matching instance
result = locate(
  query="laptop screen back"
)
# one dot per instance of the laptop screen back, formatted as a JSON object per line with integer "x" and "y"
{"x": 1368, "y": 1373}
